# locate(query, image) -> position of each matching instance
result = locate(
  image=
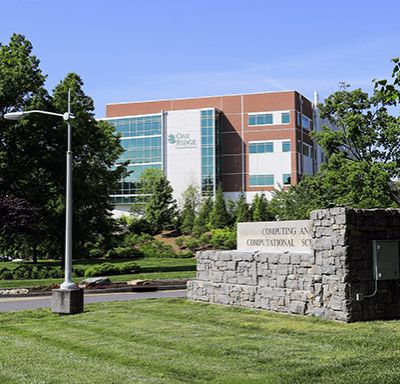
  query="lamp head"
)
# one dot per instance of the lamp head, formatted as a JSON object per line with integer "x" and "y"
{"x": 13, "y": 115}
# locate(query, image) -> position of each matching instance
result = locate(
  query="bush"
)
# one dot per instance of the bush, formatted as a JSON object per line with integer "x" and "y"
{"x": 78, "y": 272}
{"x": 29, "y": 271}
{"x": 224, "y": 238}
{"x": 157, "y": 248}
{"x": 108, "y": 269}
{"x": 123, "y": 253}
{"x": 205, "y": 239}
{"x": 96, "y": 253}
{"x": 6, "y": 274}
{"x": 180, "y": 242}
{"x": 193, "y": 244}
{"x": 133, "y": 239}
{"x": 185, "y": 255}
{"x": 140, "y": 226}
{"x": 129, "y": 267}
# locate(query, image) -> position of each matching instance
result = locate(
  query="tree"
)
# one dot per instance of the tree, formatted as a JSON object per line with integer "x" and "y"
{"x": 20, "y": 76}
{"x": 242, "y": 211}
{"x": 32, "y": 153}
{"x": 367, "y": 133}
{"x": 191, "y": 200}
{"x": 17, "y": 221}
{"x": 363, "y": 154}
{"x": 160, "y": 208}
{"x": 202, "y": 220}
{"x": 219, "y": 217}
{"x": 339, "y": 183}
{"x": 95, "y": 151}
{"x": 259, "y": 208}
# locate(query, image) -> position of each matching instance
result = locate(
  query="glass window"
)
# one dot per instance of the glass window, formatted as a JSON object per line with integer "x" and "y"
{"x": 260, "y": 119}
{"x": 261, "y": 180}
{"x": 263, "y": 147}
{"x": 306, "y": 150}
{"x": 286, "y": 146}
{"x": 286, "y": 179}
{"x": 306, "y": 123}
{"x": 137, "y": 126}
{"x": 208, "y": 160}
{"x": 285, "y": 117}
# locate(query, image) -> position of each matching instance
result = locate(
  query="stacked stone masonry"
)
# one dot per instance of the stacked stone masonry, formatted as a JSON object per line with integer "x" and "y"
{"x": 321, "y": 283}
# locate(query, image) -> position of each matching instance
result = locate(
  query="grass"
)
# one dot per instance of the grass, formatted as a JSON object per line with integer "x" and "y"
{"x": 175, "y": 341}
{"x": 151, "y": 269}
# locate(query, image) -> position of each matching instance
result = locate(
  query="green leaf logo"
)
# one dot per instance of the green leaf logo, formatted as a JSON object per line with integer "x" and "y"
{"x": 171, "y": 139}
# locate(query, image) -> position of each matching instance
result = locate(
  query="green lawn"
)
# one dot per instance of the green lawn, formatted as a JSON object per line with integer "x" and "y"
{"x": 175, "y": 341}
{"x": 151, "y": 269}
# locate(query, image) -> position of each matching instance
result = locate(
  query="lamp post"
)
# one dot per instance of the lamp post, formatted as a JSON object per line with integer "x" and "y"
{"x": 69, "y": 298}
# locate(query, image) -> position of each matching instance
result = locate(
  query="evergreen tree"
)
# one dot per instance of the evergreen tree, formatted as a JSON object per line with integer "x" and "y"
{"x": 190, "y": 204}
{"x": 32, "y": 154}
{"x": 259, "y": 208}
{"x": 219, "y": 215}
{"x": 202, "y": 220}
{"x": 161, "y": 207}
{"x": 242, "y": 211}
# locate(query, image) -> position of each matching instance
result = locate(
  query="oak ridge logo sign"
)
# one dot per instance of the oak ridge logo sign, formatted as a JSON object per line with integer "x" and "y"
{"x": 182, "y": 140}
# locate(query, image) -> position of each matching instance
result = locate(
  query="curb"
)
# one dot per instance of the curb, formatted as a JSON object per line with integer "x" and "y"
{"x": 140, "y": 288}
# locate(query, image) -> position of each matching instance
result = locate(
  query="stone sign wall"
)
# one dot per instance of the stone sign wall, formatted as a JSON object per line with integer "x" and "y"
{"x": 324, "y": 282}
{"x": 274, "y": 236}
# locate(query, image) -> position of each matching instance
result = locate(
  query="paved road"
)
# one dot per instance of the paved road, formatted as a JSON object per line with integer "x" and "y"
{"x": 20, "y": 303}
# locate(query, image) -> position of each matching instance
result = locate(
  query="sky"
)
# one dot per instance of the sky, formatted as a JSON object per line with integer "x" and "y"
{"x": 134, "y": 50}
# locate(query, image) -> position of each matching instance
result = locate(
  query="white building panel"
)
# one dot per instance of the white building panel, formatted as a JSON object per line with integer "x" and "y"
{"x": 183, "y": 149}
{"x": 276, "y": 163}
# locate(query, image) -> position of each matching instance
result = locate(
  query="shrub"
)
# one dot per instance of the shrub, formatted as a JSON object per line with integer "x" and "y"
{"x": 129, "y": 267}
{"x": 105, "y": 269}
{"x": 192, "y": 244}
{"x": 123, "y": 253}
{"x": 224, "y": 238}
{"x": 6, "y": 274}
{"x": 108, "y": 269}
{"x": 29, "y": 271}
{"x": 185, "y": 255}
{"x": 43, "y": 274}
{"x": 140, "y": 226}
{"x": 55, "y": 273}
{"x": 96, "y": 253}
{"x": 205, "y": 238}
{"x": 180, "y": 242}
{"x": 22, "y": 272}
{"x": 157, "y": 248}
{"x": 78, "y": 272}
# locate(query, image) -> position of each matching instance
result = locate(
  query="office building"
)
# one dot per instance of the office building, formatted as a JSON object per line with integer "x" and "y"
{"x": 248, "y": 143}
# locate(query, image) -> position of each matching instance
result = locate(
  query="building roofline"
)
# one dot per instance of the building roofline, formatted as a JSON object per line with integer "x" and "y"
{"x": 203, "y": 97}
{"x": 157, "y": 113}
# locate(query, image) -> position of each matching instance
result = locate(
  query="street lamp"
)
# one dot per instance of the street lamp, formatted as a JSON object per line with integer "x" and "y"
{"x": 69, "y": 298}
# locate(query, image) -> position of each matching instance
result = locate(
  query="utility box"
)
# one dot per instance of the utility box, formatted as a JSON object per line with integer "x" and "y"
{"x": 386, "y": 259}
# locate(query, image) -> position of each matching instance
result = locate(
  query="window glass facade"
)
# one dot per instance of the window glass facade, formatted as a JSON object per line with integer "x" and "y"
{"x": 138, "y": 126}
{"x": 261, "y": 180}
{"x": 305, "y": 122}
{"x": 141, "y": 138}
{"x": 261, "y": 119}
{"x": 263, "y": 147}
{"x": 286, "y": 146}
{"x": 285, "y": 117}
{"x": 306, "y": 150}
{"x": 286, "y": 179}
{"x": 208, "y": 153}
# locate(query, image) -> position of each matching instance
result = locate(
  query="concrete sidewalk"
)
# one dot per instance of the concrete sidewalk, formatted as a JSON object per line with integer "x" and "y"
{"x": 10, "y": 304}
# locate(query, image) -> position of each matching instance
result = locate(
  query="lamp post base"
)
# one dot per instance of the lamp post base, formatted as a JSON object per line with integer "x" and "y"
{"x": 67, "y": 301}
